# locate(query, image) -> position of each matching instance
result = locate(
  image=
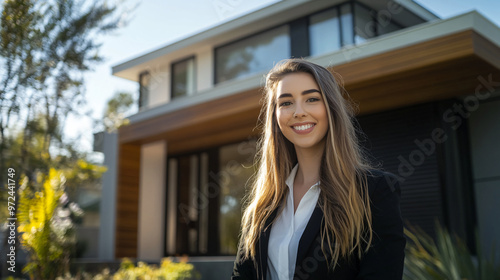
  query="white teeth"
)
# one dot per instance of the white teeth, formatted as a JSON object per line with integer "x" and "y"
{"x": 303, "y": 127}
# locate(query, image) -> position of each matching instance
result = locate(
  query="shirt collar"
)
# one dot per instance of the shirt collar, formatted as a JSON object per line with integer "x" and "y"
{"x": 291, "y": 178}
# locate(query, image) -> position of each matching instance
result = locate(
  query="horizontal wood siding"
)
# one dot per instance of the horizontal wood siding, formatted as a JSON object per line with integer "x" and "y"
{"x": 429, "y": 71}
{"x": 127, "y": 201}
{"x": 215, "y": 114}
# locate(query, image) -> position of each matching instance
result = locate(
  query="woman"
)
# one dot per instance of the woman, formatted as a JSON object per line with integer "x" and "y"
{"x": 317, "y": 209}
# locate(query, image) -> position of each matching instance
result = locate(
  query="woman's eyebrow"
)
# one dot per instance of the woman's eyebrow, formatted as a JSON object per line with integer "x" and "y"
{"x": 283, "y": 95}
{"x": 310, "y": 91}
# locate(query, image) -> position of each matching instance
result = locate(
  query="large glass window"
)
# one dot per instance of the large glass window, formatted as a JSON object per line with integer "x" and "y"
{"x": 324, "y": 32}
{"x": 386, "y": 25}
{"x": 183, "y": 78}
{"x": 370, "y": 24}
{"x": 365, "y": 25}
{"x": 253, "y": 54}
{"x": 346, "y": 25}
{"x": 235, "y": 169}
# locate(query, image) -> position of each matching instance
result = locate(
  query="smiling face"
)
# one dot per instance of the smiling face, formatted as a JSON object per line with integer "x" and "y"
{"x": 301, "y": 111}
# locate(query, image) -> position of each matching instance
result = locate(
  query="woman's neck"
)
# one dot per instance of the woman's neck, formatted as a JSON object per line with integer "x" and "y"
{"x": 309, "y": 164}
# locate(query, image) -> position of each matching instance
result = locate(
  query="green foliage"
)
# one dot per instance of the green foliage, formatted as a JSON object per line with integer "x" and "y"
{"x": 447, "y": 258}
{"x": 11, "y": 278}
{"x": 45, "y": 221}
{"x": 45, "y": 48}
{"x": 168, "y": 270}
{"x": 115, "y": 113}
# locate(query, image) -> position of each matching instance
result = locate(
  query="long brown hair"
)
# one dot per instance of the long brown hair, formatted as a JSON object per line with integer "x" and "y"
{"x": 343, "y": 199}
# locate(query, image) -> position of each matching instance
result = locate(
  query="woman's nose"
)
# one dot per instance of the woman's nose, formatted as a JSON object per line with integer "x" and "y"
{"x": 299, "y": 112}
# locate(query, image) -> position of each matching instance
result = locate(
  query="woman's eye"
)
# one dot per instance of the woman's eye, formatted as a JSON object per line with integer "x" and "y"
{"x": 312, "y": 99}
{"x": 286, "y": 103}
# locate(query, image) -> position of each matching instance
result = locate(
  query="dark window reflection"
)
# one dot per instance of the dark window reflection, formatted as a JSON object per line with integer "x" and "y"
{"x": 366, "y": 26}
{"x": 144, "y": 81}
{"x": 183, "y": 78}
{"x": 235, "y": 170}
{"x": 251, "y": 55}
{"x": 324, "y": 32}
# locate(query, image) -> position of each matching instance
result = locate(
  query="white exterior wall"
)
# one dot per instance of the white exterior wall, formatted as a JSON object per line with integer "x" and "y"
{"x": 152, "y": 201}
{"x": 484, "y": 134}
{"x": 159, "y": 87}
{"x": 204, "y": 68}
{"x": 106, "y": 250}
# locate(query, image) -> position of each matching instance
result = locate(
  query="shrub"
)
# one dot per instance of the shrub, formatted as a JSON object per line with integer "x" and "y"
{"x": 447, "y": 258}
{"x": 46, "y": 223}
{"x": 168, "y": 270}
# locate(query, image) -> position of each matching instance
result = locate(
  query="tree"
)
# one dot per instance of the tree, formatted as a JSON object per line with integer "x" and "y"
{"x": 116, "y": 111}
{"x": 45, "y": 47}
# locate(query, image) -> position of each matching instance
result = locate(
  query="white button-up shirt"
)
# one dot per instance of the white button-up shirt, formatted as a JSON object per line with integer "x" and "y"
{"x": 287, "y": 231}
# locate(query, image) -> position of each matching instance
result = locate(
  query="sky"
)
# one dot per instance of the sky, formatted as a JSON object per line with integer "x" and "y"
{"x": 153, "y": 24}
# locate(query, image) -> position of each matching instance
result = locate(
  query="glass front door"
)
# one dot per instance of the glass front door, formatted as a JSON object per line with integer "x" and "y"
{"x": 204, "y": 199}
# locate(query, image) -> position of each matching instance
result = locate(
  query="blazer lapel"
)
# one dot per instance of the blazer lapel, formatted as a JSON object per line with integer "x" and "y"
{"x": 263, "y": 245}
{"x": 310, "y": 233}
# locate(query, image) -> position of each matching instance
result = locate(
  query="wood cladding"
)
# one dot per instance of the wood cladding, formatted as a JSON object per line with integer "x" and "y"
{"x": 220, "y": 112}
{"x": 127, "y": 204}
{"x": 433, "y": 70}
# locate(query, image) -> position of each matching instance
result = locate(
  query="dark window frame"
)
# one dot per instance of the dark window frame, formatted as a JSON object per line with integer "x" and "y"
{"x": 172, "y": 65}
{"x": 141, "y": 87}
{"x": 198, "y": 154}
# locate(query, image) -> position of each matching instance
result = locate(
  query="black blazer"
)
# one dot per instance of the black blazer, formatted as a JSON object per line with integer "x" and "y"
{"x": 383, "y": 261}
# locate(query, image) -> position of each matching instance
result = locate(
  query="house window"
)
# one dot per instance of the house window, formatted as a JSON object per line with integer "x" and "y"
{"x": 385, "y": 27}
{"x": 324, "y": 32}
{"x": 235, "y": 168}
{"x": 331, "y": 29}
{"x": 183, "y": 78}
{"x": 204, "y": 194}
{"x": 346, "y": 25}
{"x": 253, "y": 54}
{"x": 369, "y": 24}
{"x": 365, "y": 25}
{"x": 144, "y": 82}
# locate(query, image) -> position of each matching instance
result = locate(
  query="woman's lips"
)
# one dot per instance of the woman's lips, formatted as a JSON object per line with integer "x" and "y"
{"x": 303, "y": 128}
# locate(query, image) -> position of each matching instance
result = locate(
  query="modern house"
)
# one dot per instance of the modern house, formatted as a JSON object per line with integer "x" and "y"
{"x": 428, "y": 92}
